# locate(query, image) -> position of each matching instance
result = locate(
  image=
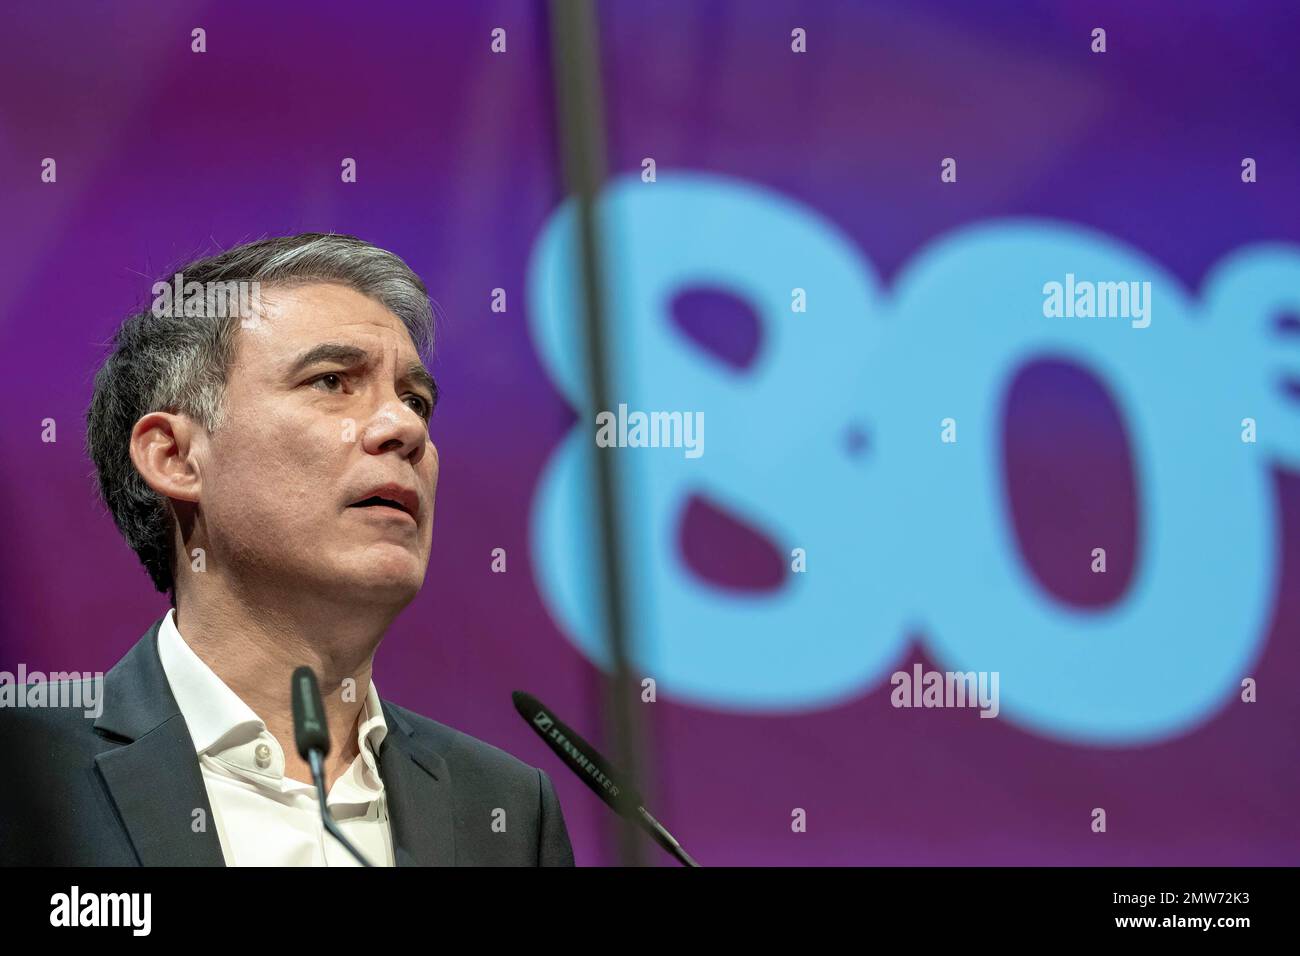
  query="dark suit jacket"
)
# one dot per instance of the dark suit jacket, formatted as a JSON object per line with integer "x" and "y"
{"x": 121, "y": 790}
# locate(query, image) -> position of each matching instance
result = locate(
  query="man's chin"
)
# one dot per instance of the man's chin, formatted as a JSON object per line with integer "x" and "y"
{"x": 392, "y": 580}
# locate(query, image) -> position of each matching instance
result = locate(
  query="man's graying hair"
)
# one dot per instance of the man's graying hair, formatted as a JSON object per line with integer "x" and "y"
{"x": 177, "y": 363}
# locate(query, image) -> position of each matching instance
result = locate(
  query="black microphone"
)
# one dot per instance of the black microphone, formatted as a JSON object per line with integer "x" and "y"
{"x": 595, "y": 771}
{"x": 312, "y": 737}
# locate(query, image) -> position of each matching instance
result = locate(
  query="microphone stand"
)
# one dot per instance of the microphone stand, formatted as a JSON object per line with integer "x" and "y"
{"x": 316, "y": 760}
{"x": 311, "y": 735}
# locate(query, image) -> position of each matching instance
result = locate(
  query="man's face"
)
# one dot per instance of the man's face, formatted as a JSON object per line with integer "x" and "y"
{"x": 326, "y": 407}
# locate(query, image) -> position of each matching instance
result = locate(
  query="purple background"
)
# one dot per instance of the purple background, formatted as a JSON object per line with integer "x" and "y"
{"x": 164, "y": 154}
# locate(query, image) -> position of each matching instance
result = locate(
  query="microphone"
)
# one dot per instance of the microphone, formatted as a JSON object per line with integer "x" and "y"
{"x": 312, "y": 737}
{"x": 596, "y": 772}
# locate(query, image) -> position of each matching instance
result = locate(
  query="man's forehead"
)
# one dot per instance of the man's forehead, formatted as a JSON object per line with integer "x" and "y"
{"x": 287, "y": 322}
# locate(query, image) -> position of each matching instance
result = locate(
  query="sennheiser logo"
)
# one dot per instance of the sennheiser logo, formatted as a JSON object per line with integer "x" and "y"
{"x": 542, "y": 721}
{"x": 582, "y": 761}
{"x": 102, "y": 909}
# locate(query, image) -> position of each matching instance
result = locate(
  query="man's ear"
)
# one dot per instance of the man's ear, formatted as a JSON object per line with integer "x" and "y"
{"x": 163, "y": 447}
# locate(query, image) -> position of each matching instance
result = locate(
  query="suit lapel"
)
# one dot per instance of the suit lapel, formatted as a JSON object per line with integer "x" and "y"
{"x": 417, "y": 785}
{"x": 157, "y": 787}
{"x": 154, "y": 778}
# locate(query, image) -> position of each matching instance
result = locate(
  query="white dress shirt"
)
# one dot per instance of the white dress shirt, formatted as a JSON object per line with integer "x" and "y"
{"x": 262, "y": 817}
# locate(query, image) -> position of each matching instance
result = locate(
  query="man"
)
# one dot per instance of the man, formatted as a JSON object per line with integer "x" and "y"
{"x": 261, "y": 440}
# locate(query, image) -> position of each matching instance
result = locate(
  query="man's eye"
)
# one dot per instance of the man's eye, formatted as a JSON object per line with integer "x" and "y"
{"x": 330, "y": 380}
{"x": 421, "y": 406}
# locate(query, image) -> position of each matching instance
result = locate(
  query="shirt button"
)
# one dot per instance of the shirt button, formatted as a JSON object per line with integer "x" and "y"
{"x": 262, "y": 755}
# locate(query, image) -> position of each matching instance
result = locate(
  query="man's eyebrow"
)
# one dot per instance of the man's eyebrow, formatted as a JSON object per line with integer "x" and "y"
{"x": 329, "y": 352}
{"x": 350, "y": 355}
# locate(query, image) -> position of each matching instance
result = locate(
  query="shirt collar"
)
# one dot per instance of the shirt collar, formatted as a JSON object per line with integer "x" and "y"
{"x": 214, "y": 713}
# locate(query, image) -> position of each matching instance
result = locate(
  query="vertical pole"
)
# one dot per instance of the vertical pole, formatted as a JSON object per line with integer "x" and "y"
{"x": 576, "y": 67}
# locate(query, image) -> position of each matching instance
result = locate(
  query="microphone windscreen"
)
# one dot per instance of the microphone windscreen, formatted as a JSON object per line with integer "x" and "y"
{"x": 310, "y": 731}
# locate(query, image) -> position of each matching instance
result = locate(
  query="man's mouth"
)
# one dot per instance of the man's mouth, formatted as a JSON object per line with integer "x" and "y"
{"x": 399, "y": 499}
{"x": 376, "y": 500}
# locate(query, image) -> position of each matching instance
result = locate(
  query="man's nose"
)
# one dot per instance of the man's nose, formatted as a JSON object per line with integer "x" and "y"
{"x": 395, "y": 426}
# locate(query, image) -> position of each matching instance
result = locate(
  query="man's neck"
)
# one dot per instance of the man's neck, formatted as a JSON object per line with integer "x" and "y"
{"x": 255, "y": 650}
